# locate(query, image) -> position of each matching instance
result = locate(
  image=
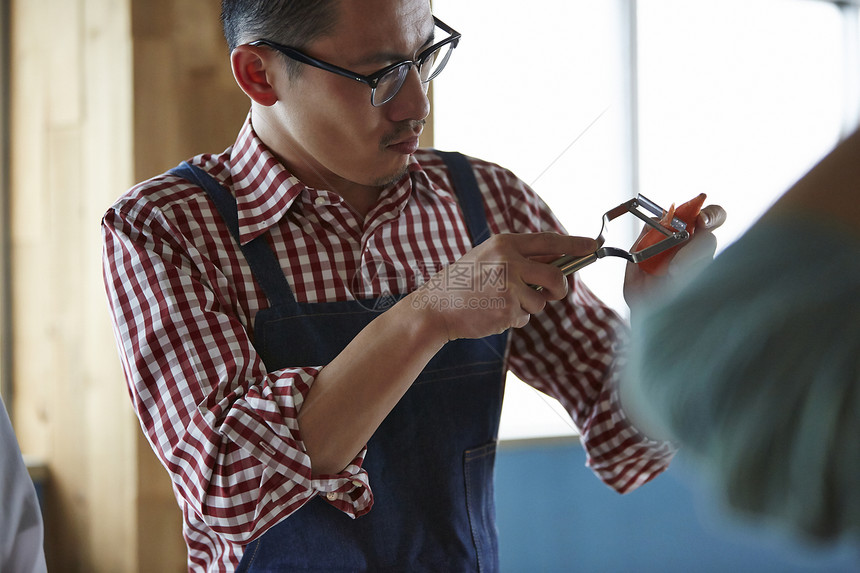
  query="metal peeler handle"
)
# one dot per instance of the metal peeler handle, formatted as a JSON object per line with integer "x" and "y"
{"x": 570, "y": 264}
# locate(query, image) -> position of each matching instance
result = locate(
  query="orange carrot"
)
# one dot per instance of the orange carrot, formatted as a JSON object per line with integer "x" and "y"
{"x": 659, "y": 264}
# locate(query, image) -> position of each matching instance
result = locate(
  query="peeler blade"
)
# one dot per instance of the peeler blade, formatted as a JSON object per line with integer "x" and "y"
{"x": 647, "y": 211}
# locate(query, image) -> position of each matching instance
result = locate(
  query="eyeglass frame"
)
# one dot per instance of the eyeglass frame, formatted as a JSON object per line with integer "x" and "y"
{"x": 371, "y": 80}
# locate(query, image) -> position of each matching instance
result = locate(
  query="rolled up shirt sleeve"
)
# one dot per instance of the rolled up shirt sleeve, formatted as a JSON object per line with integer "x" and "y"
{"x": 224, "y": 428}
{"x": 575, "y": 350}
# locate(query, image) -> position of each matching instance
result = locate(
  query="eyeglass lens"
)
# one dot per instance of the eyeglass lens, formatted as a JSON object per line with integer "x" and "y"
{"x": 390, "y": 83}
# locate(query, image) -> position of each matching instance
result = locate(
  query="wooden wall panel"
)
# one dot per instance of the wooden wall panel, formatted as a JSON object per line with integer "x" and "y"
{"x": 104, "y": 93}
{"x": 71, "y": 155}
{"x": 186, "y": 100}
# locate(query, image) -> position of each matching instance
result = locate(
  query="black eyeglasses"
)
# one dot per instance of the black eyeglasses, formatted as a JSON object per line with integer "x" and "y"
{"x": 385, "y": 83}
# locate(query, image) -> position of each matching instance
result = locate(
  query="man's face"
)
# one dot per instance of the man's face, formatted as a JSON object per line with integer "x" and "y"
{"x": 329, "y": 134}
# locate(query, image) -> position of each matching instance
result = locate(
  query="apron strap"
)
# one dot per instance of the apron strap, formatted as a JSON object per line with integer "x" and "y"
{"x": 468, "y": 194}
{"x": 264, "y": 264}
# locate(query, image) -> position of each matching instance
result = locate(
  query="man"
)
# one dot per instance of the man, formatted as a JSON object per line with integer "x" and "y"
{"x": 279, "y": 397}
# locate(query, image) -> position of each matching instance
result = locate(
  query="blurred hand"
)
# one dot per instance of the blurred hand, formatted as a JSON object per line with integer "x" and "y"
{"x": 698, "y": 251}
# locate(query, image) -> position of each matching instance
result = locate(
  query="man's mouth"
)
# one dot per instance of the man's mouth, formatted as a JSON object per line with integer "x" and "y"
{"x": 405, "y": 141}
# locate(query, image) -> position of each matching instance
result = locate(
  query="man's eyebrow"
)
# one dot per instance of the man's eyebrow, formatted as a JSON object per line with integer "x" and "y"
{"x": 391, "y": 57}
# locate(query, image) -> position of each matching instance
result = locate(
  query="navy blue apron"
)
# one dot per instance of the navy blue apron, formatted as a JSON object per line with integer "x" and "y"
{"x": 431, "y": 460}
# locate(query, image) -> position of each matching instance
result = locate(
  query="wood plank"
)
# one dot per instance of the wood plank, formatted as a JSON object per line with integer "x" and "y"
{"x": 124, "y": 90}
{"x": 68, "y": 158}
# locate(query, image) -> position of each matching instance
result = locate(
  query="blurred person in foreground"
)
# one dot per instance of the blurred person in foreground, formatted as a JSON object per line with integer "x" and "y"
{"x": 21, "y": 528}
{"x": 753, "y": 365}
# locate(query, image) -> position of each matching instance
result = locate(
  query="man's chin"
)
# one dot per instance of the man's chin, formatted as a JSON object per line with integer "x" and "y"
{"x": 392, "y": 178}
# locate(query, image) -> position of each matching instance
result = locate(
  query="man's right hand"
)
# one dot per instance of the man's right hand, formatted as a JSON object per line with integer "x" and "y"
{"x": 490, "y": 288}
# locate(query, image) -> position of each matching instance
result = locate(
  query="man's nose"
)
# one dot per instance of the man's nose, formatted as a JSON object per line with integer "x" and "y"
{"x": 411, "y": 102}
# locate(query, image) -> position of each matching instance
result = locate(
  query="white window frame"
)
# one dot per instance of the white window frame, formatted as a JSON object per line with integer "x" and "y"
{"x": 850, "y": 10}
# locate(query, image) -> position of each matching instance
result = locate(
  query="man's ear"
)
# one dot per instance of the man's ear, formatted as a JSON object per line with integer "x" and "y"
{"x": 251, "y": 69}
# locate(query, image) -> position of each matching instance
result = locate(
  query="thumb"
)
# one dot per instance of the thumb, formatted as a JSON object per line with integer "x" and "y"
{"x": 697, "y": 253}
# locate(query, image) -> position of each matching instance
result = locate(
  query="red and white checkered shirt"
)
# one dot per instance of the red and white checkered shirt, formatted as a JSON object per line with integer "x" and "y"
{"x": 183, "y": 301}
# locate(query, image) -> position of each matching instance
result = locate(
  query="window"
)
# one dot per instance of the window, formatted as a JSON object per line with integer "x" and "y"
{"x": 543, "y": 93}
{"x": 737, "y": 98}
{"x": 591, "y": 102}
{"x": 5, "y": 332}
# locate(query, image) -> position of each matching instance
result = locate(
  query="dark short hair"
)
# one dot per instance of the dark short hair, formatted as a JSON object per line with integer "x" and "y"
{"x": 295, "y": 23}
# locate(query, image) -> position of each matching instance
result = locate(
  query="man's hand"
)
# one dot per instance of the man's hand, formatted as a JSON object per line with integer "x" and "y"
{"x": 489, "y": 289}
{"x": 700, "y": 249}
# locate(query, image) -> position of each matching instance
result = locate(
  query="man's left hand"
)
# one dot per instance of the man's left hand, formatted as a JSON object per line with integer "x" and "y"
{"x": 699, "y": 250}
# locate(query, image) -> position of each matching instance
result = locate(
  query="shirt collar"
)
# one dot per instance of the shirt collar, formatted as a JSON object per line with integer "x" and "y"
{"x": 423, "y": 183}
{"x": 265, "y": 190}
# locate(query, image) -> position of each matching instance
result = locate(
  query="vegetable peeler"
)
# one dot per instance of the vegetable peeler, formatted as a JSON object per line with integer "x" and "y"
{"x": 644, "y": 209}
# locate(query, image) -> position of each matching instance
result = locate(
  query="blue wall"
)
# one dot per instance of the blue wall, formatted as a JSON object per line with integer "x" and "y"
{"x": 554, "y": 515}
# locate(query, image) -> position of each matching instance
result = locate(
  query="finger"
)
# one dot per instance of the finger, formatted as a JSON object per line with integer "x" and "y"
{"x": 530, "y": 300}
{"x": 521, "y": 320}
{"x": 696, "y": 252}
{"x": 552, "y": 281}
{"x": 537, "y": 244}
{"x": 544, "y": 258}
{"x": 711, "y": 217}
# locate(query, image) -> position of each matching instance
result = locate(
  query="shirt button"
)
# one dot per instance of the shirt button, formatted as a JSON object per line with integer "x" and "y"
{"x": 357, "y": 483}
{"x": 331, "y": 496}
{"x": 320, "y": 201}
